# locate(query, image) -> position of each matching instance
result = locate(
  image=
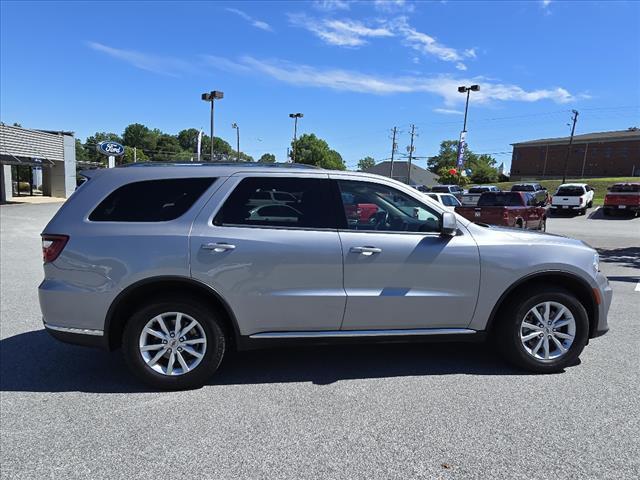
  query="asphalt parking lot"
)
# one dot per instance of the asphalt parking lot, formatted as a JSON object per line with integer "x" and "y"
{"x": 394, "y": 411}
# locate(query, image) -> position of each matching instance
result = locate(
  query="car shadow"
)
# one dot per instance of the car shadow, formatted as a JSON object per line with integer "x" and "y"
{"x": 629, "y": 278}
{"x": 598, "y": 214}
{"x": 626, "y": 256}
{"x": 34, "y": 362}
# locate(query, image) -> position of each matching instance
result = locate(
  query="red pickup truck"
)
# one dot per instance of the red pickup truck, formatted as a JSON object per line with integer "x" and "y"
{"x": 622, "y": 197}
{"x": 509, "y": 209}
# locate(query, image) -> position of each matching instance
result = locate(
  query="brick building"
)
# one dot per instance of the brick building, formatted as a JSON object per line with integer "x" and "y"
{"x": 604, "y": 154}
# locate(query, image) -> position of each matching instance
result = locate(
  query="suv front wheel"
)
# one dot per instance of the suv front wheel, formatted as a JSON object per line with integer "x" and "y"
{"x": 174, "y": 344}
{"x": 543, "y": 331}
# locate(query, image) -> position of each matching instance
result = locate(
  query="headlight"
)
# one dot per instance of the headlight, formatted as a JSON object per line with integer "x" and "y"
{"x": 596, "y": 262}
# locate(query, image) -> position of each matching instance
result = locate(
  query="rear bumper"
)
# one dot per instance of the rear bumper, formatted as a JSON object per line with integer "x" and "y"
{"x": 567, "y": 207}
{"x": 622, "y": 208}
{"x": 77, "y": 336}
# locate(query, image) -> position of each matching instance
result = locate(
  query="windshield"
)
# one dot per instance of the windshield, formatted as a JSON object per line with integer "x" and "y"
{"x": 506, "y": 199}
{"x": 522, "y": 188}
{"x": 625, "y": 188}
{"x": 570, "y": 191}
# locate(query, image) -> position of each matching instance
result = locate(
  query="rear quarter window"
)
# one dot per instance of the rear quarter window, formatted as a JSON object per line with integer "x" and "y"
{"x": 151, "y": 200}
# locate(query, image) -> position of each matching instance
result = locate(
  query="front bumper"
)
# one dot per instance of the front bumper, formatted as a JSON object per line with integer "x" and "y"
{"x": 606, "y": 296}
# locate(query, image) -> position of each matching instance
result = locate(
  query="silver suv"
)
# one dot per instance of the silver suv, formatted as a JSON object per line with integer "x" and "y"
{"x": 179, "y": 264}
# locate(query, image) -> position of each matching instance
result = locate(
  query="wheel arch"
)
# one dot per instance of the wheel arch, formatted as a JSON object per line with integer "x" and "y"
{"x": 125, "y": 303}
{"x": 576, "y": 285}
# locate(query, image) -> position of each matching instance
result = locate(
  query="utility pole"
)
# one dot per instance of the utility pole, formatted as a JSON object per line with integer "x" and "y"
{"x": 235, "y": 125}
{"x": 566, "y": 159}
{"x": 413, "y": 130}
{"x": 394, "y": 145}
{"x": 295, "y": 117}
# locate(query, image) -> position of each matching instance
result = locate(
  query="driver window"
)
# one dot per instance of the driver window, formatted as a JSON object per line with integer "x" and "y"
{"x": 371, "y": 206}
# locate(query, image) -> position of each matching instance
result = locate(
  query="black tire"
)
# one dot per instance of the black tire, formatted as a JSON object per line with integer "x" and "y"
{"x": 507, "y": 333}
{"x": 543, "y": 225}
{"x": 214, "y": 331}
{"x": 590, "y": 204}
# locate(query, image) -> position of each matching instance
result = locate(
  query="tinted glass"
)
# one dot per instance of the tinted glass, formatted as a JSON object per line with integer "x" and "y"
{"x": 294, "y": 202}
{"x": 570, "y": 191}
{"x": 504, "y": 199}
{"x": 479, "y": 189}
{"x": 440, "y": 189}
{"x": 625, "y": 188}
{"x": 522, "y": 188}
{"x": 151, "y": 201}
{"x": 395, "y": 211}
{"x": 450, "y": 201}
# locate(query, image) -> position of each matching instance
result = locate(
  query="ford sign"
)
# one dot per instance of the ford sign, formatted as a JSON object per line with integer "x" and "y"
{"x": 110, "y": 148}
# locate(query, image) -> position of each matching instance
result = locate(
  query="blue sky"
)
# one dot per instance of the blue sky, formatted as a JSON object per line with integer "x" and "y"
{"x": 355, "y": 69}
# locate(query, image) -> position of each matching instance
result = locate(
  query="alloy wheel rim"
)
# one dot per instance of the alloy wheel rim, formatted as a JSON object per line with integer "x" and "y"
{"x": 548, "y": 330}
{"x": 172, "y": 343}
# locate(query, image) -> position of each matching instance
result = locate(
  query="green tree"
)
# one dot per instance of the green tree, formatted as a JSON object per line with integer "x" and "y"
{"x": 312, "y": 150}
{"x": 138, "y": 135}
{"x": 482, "y": 166}
{"x": 128, "y": 156}
{"x": 267, "y": 158}
{"x": 188, "y": 139}
{"x": 448, "y": 178}
{"x": 483, "y": 173}
{"x": 81, "y": 153}
{"x": 168, "y": 149}
{"x": 366, "y": 162}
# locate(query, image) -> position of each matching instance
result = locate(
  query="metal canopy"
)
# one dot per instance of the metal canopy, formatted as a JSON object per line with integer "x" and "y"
{"x": 8, "y": 159}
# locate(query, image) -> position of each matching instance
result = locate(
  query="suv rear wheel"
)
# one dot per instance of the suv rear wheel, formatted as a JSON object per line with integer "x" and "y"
{"x": 543, "y": 331}
{"x": 174, "y": 344}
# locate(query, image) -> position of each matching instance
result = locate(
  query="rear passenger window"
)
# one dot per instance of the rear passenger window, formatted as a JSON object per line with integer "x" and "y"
{"x": 151, "y": 200}
{"x": 282, "y": 202}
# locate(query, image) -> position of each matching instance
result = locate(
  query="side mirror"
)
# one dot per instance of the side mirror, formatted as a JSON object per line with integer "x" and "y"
{"x": 449, "y": 224}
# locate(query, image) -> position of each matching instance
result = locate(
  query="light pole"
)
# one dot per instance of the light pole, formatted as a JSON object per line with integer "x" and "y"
{"x": 295, "y": 117}
{"x": 235, "y": 125}
{"x": 211, "y": 97}
{"x": 463, "y": 135}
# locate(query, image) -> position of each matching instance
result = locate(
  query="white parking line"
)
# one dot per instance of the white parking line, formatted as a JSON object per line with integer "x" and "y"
{"x": 638, "y": 287}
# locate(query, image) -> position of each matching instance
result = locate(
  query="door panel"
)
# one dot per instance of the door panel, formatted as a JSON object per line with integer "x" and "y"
{"x": 415, "y": 281}
{"x": 274, "y": 278}
{"x": 399, "y": 272}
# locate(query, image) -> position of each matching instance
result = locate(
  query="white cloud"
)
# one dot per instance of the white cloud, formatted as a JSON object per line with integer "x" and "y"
{"x": 545, "y": 6}
{"x": 253, "y": 21}
{"x": 393, "y": 6}
{"x": 151, "y": 63}
{"x": 343, "y": 33}
{"x": 470, "y": 53}
{"x": 448, "y": 111}
{"x": 426, "y": 44}
{"x": 443, "y": 86}
{"x": 331, "y": 5}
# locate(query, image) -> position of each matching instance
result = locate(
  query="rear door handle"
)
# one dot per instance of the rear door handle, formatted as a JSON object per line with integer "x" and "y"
{"x": 366, "y": 250}
{"x": 218, "y": 247}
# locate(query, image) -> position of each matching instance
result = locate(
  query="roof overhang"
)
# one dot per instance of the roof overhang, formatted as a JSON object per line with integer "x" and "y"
{"x": 8, "y": 159}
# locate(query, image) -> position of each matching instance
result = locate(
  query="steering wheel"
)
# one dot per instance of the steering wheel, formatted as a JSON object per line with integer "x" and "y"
{"x": 379, "y": 219}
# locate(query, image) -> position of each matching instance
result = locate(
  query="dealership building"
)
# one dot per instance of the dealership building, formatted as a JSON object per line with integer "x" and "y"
{"x": 36, "y": 162}
{"x": 603, "y": 154}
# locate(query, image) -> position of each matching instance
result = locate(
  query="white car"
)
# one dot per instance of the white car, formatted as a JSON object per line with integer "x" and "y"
{"x": 446, "y": 199}
{"x": 572, "y": 197}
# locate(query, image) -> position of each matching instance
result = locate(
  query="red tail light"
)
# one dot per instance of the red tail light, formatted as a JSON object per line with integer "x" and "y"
{"x": 52, "y": 245}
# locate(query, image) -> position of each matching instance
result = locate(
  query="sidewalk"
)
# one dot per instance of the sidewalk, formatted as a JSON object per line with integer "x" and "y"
{"x": 34, "y": 200}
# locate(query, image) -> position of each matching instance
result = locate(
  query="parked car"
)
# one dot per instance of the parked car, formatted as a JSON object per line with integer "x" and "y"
{"x": 509, "y": 209}
{"x": 622, "y": 197}
{"x": 572, "y": 197}
{"x": 168, "y": 263}
{"x": 357, "y": 212}
{"x": 446, "y": 199}
{"x": 472, "y": 195}
{"x": 452, "y": 189}
{"x": 538, "y": 191}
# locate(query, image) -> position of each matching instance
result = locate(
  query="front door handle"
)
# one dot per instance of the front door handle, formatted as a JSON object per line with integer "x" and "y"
{"x": 218, "y": 247}
{"x": 366, "y": 250}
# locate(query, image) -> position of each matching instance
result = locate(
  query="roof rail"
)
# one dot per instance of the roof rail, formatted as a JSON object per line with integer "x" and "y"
{"x": 219, "y": 164}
